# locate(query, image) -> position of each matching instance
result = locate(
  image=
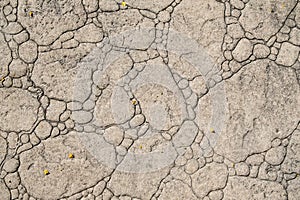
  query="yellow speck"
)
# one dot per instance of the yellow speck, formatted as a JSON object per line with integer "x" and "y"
{"x": 2, "y": 79}
{"x": 140, "y": 146}
{"x": 46, "y": 172}
{"x": 134, "y": 101}
{"x": 212, "y": 130}
{"x": 71, "y": 155}
{"x": 233, "y": 165}
{"x": 30, "y": 13}
{"x": 123, "y": 3}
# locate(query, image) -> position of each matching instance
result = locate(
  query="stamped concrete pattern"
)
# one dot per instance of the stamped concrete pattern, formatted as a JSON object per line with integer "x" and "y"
{"x": 173, "y": 99}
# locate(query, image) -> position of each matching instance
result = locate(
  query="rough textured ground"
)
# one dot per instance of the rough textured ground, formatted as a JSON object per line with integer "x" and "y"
{"x": 171, "y": 99}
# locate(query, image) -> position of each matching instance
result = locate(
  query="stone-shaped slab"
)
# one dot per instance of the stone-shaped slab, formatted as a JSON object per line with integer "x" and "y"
{"x": 50, "y": 19}
{"x": 55, "y": 72}
{"x": 28, "y": 51}
{"x": 18, "y": 109}
{"x": 211, "y": 177}
{"x": 288, "y": 54}
{"x": 66, "y": 176}
{"x": 243, "y": 50}
{"x": 208, "y": 29}
{"x": 264, "y": 18}
{"x": 89, "y": 33}
{"x": 250, "y": 188}
{"x": 257, "y": 109}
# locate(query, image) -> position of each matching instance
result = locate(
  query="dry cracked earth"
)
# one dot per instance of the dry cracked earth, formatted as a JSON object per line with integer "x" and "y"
{"x": 172, "y": 99}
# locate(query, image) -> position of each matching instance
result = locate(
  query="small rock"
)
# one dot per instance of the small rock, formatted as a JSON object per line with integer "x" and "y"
{"x": 28, "y": 51}
{"x": 183, "y": 84}
{"x": 237, "y": 4}
{"x": 17, "y": 68}
{"x": 276, "y": 142}
{"x": 275, "y": 155}
{"x": 288, "y": 54}
{"x": 21, "y": 37}
{"x": 137, "y": 120}
{"x": 164, "y": 16}
{"x": 243, "y": 50}
{"x": 43, "y": 130}
{"x": 11, "y": 165}
{"x": 235, "y": 30}
{"x": 295, "y": 36}
{"x": 191, "y": 166}
{"x": 98, "y": 189}
{"x": 216, "y": 195}
{"x": 12, "y": 180}
{"x": 261, "y": 51}
{"x": 242, "y": 169}
{"x": 113, "y": 135}
{"x": 255, "y": 159}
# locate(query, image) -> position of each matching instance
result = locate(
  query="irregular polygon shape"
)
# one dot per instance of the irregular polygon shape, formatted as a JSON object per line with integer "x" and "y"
{"x": 28, "y": 51}
{"x": 211, "y": 177}
{"x": 18, "y": 109}
{"x": 89, "y": 33}
{"x": 261, "y": 51}
{"x": 243, "y": 50}
{"x": 257, "y": 109}
{"x": 55, "y": 17}
{"x": 288, "y": 54}
{"x": 56, "y": 70}
{"x": 275, "y": 156}
{"x": 257, "y": 17}
{"x": 43, "y": 130}
{"x": 60, "y": 167}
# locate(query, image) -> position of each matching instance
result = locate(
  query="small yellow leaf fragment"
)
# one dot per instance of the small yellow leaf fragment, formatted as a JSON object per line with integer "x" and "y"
{"x": 123, "y": 3}
{"x": 46, "y": 172}
{"x": 140, "y": 147}
{"x": 2, "y": 79}
{"x": 134, "y": 101}
{"x": 71, "y": 155}
{"x": 30, "y": 13}
{"x": 212, "y": 130}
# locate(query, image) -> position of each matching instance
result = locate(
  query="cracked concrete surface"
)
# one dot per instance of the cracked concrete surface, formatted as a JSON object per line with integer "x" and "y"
{"x": 174, "y": 99}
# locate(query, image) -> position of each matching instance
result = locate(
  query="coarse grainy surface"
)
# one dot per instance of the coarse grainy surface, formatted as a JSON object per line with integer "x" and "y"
{"x": 170, "y": 99}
